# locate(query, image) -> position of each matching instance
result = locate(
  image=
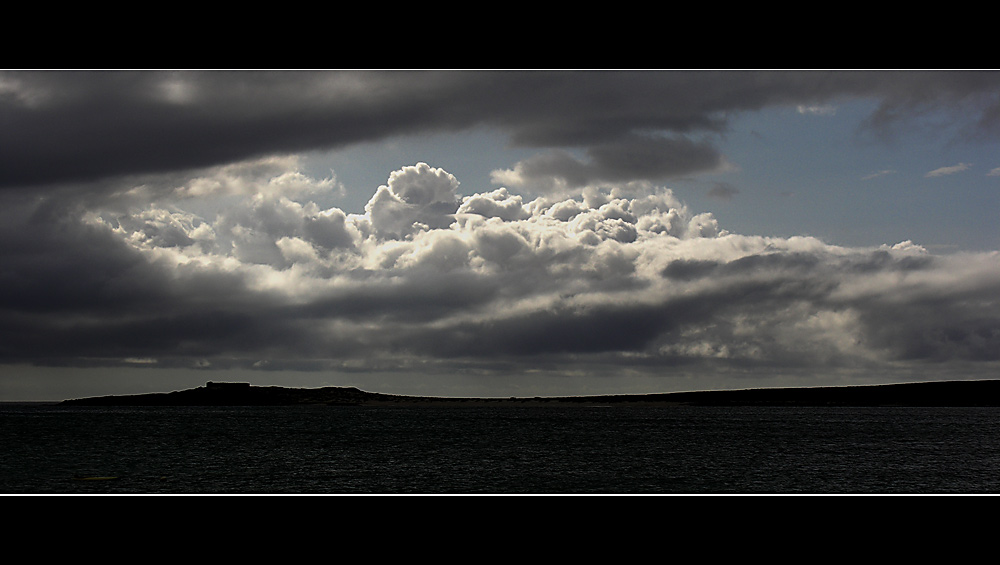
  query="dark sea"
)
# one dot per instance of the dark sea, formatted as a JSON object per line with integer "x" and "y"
{"x": 48, "y": 449}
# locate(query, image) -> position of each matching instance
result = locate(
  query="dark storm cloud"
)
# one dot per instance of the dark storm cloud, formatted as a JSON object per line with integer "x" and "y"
{"x": 629, "y": 158}
{"x": 72, "y": 289}
{"x": 54, "y": 263}
{"x": 81, "y": 126}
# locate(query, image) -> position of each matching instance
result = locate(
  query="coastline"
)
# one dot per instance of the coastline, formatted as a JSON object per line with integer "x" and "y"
{"x": 932, "y": 393}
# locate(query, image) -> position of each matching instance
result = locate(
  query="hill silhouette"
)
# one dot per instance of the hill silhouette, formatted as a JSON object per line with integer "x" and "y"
{"x": 934, "y": 393}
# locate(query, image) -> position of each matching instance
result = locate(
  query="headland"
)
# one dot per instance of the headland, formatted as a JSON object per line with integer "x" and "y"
{"x": 934, "y": 393}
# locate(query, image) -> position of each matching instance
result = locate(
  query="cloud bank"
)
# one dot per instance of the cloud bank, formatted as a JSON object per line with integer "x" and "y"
{"x": 589, "y": 126}
{"x": 608, "y": 280}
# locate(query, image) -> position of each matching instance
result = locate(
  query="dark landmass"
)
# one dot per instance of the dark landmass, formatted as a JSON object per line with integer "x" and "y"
{"x": 937, "y": 393}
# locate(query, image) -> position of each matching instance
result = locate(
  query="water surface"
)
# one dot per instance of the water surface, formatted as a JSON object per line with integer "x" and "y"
{"x": 502, "y": 450}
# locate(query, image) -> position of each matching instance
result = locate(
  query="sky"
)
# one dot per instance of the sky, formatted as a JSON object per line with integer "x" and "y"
{"x": 497, "y": 232}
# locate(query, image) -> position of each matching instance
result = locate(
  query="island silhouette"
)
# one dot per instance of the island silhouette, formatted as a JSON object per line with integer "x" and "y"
{"x": 931, "y": 393}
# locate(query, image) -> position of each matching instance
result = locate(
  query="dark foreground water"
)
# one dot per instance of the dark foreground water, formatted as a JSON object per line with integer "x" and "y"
{"x": 575, "y": 450}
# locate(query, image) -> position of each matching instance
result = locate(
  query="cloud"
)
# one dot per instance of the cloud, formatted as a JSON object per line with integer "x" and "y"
{"x": 821, "y": 110}
{"x": 589, "y": 126}
{"x": 625, "y": 160}
{"x": 723, "y": 191}
{"x": 605, "y": 278}
{"x": 942, "y": 171}
{"x": 499, "y": 203}
{"x": 416, "y": 197}
{"x": 878, "y": 174}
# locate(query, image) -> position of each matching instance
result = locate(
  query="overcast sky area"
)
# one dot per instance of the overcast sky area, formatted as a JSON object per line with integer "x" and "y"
{"x": 496, "y": 233}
